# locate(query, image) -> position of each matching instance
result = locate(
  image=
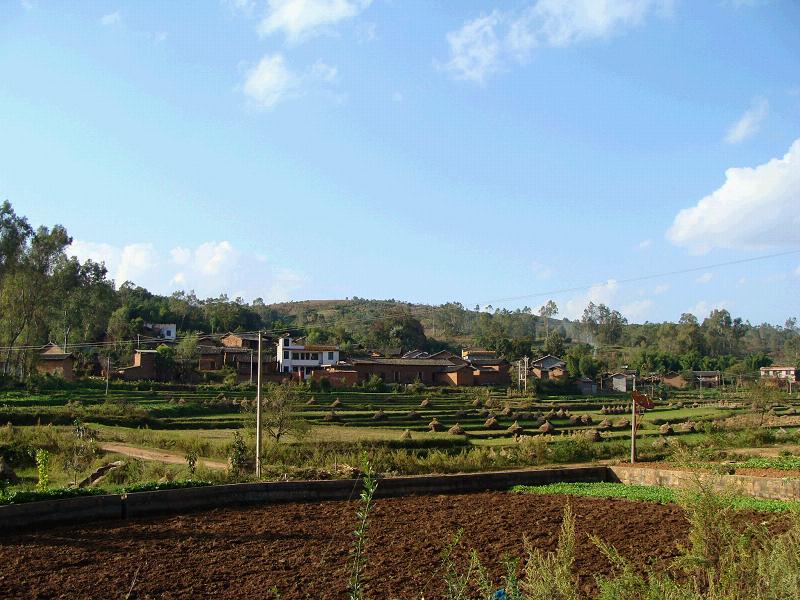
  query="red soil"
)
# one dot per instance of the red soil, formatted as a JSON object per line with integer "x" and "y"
{"x": 302, "y": 549}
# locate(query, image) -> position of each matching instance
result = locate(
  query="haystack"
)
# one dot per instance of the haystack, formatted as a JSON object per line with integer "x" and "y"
{"x": 604, "y": 410}
{"x": 336, "y": 403}
{"x": 586, "y": 419}
{"x": 434, "y": 425}
{"x": 311, "y": 401}
{"x": 406, "y": 435}
{"x": 491, "y": 423}
{"x": 426, "y": 403}
{"x": 574, "y": 419}
{"x": 331, "y": 416}
{"x": 379, "y": 416}
{"x": 687, "y": 427}
{"x": 456, "y": 430}
{"x": 604, "y": 425}
{"x": 477, "y": 403}
{"x": 547, "y": 427}
{"x": 507, "y": 411}
{"x": 592, "y": 435}
{"x": 414, "y": 415}
{"x": 515, "y": 429}
{"x": 561, "y": 413}
{"x": 666, "y": 429}
{"x": 622, "y": 423}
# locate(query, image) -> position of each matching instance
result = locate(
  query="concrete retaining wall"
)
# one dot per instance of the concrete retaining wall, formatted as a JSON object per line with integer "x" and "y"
{"x": 57, "y": 512}
{"x": 772, "y": 488}
{"x": 163, "y": 502}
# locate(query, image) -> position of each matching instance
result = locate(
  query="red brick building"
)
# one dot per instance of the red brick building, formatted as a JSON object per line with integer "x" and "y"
{"x": 52, "y": 360}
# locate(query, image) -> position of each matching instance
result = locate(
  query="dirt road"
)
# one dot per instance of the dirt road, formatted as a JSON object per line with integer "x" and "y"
{"x": 158, "y": 455}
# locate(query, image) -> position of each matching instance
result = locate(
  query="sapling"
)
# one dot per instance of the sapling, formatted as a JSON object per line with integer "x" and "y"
{"x": 369, "y": 483}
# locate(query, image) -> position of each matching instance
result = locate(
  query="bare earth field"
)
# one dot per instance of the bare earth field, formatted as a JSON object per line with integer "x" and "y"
{"x": 302, "y": 549}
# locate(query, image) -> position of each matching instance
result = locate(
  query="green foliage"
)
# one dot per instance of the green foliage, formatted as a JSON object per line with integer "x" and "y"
{"x": 357, "y": 555}
{"x": 237, "y": 455}
{"x": 43, "y": 458}
{"x": 191, "y": 462}
{"x": 23, "y": 496}
{"x": 548, "y": 575}
{"x": 651, "y": 493}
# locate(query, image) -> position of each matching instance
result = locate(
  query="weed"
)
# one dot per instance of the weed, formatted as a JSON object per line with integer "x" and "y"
{"x": 358, "y": 557}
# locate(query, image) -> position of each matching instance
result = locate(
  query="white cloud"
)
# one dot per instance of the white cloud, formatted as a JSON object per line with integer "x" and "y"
{"x": 270, "y": 81}
{"x": 324, "y": 72}
{"x": 644, "y": 244}
{"x": 705, "y": 278}
{"x": 243, "y": 6}
{"x": 136, "y": 261}
{"x": 475, "y": 49}
{"x": 637, "y": 310}
{"x": 180, "y": 255}
{"x": 755, "y": 208}
{"x": 301, "y": 19}
{"x": 600, "y": 293}
{"x": 660, "y": 289}
{"x": 703, "y": 308}
{"x": 749, "y": 123}
{"x": 212, "y": 258}
{"x": 483, "y": 45}
{"x": 211, "y": 268}
{"x": 111, "y": 19}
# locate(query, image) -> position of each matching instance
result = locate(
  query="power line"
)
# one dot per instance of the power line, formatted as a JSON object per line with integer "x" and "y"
{"x": 581, "y": 288}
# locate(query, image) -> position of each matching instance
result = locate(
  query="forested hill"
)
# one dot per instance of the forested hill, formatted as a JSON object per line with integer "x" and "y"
{"x": 48, "y": 296}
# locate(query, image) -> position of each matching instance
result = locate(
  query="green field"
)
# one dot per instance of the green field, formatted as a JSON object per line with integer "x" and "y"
{"x": 393, "y": 428}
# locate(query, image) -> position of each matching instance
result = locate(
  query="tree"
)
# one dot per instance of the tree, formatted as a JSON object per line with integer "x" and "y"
{"x": 278, "y": 412}
{"x": 165, "y": 362}
{"x": 554, "y": 344}
{"x": 548, "y": 310}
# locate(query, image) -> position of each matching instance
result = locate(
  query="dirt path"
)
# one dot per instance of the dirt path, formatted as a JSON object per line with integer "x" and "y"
{"x": 158, "y": 455}
{"x": 303, "y": 549}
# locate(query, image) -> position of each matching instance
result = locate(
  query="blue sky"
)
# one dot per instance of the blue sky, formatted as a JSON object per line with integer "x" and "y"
{"x": 469, "y": 151}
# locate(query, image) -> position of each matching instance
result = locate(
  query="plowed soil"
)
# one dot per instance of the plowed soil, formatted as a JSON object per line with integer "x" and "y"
{"x": 301, "y": 549}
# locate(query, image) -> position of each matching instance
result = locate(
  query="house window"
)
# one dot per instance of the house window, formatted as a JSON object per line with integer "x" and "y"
{"x": 285, "y": 355}
{"x": 330, "y": 355}
{"x": 315, "y": 356}
{"x": 295, "y": 355}
{"x": 285, "y": 369}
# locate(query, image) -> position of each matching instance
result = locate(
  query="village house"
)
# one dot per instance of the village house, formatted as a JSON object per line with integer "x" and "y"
{"x": 52, "y": 360}
{"x": 166, "y": 331}
{"x": 780, "y": 373}
{"x": 295, "y": 357}
{"x": 143, "y": 367}
{"x": 549, "y": 367}
{"x": 439, "y": 368}
{"x": 620, "y": 382}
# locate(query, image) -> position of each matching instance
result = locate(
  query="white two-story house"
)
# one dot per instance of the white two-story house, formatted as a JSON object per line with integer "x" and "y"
{"x": 294, "y": 356}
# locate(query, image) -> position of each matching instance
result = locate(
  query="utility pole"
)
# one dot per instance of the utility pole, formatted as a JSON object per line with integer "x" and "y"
{"x": 137, "y": 341}
{"x": 108, "y": 372}
{"x": 633, "y": 424}
{"x": 251, "y": 366}
{"x": 525, "y": 374}
{"x": 258, "y": 411}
